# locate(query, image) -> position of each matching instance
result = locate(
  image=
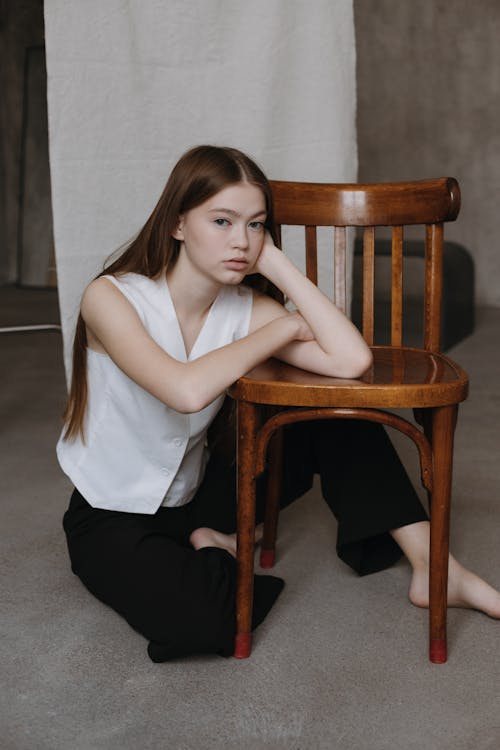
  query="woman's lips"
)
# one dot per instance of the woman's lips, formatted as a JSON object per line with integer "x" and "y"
{"x": 236, "y": 264}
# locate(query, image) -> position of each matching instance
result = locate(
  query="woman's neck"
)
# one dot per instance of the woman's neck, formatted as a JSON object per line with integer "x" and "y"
{"x": 192, "y": 293}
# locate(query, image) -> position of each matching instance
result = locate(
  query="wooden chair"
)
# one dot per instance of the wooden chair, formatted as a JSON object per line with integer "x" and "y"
{"x": 401, "y": 377}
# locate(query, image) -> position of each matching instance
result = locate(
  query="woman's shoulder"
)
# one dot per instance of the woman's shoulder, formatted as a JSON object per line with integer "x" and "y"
{"x": 122, "y": 280}
{"x": 264, "y": 309}
{"x": 112, "y": 292}
{"x": 131, "y": 280}
{"x": 131, "y": 285}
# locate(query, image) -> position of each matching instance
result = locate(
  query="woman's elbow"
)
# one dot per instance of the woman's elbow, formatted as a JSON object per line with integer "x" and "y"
{"x": 355, "y": 366}
{"x": 187, "y": 403}
{"x": 362, "y": 363}
{"x": 190, "y": 396}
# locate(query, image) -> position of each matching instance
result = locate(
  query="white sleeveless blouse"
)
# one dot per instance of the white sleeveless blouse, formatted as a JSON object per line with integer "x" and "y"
{"x": 138, "y": 453}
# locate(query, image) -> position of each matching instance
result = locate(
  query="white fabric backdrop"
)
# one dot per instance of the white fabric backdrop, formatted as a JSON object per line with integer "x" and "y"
{"x": 134, "y": 83}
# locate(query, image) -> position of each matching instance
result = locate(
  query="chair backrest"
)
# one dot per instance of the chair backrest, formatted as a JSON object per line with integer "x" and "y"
{"x": 424, "y": 202}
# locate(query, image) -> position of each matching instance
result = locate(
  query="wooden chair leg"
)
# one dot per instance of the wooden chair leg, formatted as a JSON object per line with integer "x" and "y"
{"x": 246, "y": 431}
{"x": 268, "y": 548}
{"x": 443, "y": 426}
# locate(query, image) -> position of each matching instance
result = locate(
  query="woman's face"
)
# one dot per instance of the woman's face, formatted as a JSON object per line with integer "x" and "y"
{"x": 221, "y": 239}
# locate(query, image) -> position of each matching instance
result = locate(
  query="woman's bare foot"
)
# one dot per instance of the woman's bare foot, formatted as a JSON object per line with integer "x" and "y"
{"x": 465, "y": 589}
{"x": 205, "y": 537}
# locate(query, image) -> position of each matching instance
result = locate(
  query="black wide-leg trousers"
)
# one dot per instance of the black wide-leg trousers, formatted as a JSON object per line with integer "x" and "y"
{"x": 183, "y": 600}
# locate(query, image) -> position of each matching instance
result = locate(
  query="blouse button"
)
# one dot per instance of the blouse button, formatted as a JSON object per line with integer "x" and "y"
{"x": 177, "y": 442}
{"x": 165, "y": 471}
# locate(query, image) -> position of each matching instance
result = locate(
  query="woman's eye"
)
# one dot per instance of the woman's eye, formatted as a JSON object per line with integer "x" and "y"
{"x": 257, "y": 225}
{"x": 221, "y": 222}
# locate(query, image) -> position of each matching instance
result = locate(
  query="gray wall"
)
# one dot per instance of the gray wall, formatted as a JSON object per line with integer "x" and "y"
{"x": 429, "y": 105}
{"x": 26, "y": 241}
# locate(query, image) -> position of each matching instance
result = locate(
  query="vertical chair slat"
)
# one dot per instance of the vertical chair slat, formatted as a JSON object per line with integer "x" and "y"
{"x": 340, "y": 268}
{"x": 397, "y": 287}
{"x": 271, "y": 289}
{"x": 311, "y": 254}
{"x": 278, "y": 234}
{"x": 433, "y": 286}
{"x": 368, "y": 283}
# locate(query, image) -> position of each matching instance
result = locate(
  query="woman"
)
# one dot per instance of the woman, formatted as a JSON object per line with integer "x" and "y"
{"x": 163, "y": 331}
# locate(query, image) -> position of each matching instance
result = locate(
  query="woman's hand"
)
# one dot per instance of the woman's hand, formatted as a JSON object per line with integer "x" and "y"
{"x": 268, "y": 250}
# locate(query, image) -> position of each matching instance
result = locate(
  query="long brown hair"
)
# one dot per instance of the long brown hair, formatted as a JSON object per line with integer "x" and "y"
{"x": 198, "y": 175}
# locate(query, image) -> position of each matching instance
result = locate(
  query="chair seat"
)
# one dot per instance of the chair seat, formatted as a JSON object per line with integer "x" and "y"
{"x": 399, "y": 378}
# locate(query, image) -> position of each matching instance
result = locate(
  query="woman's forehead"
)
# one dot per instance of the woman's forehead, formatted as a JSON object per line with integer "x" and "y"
{"x": 240, "y": 198}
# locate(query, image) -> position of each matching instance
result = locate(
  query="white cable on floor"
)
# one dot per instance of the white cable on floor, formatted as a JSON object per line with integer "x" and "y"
{"x": 20, "y": 329}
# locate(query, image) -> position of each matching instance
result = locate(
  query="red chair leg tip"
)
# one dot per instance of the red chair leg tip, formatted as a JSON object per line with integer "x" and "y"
{"x": 242, "y": 645}
{"x": 437, "y": 652}
{"x": 267, "y": 558}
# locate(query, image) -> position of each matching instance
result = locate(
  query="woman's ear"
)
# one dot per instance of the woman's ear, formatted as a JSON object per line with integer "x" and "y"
{"x": 178, "y": 233}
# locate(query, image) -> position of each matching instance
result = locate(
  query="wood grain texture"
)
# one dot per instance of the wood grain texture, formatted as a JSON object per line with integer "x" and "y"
{"x": 423, "y": 380}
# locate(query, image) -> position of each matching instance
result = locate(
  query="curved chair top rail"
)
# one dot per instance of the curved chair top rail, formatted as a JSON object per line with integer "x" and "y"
{"x": 379, "y": 204}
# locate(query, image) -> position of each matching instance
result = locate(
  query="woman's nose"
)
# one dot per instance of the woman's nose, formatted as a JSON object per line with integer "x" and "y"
{"x": 239, "y": 237}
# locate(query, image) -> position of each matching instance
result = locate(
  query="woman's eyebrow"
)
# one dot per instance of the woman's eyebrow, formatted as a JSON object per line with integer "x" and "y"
{"x": 231, "y": 212}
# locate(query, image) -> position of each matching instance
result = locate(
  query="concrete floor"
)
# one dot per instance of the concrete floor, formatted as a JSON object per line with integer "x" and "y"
{"x": 341, "y": 662}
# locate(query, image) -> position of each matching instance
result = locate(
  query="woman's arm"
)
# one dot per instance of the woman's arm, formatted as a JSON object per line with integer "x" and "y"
{"x": 338, "y": 349}
{"x": 115, "y": 328}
